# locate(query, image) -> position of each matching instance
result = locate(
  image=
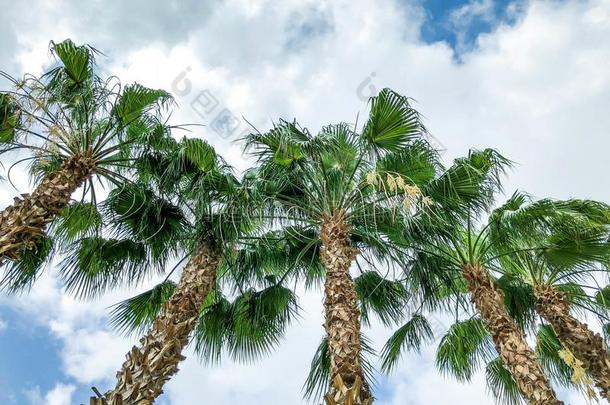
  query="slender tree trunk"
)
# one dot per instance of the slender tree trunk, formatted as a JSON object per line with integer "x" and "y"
{"x": 24, "y": 222}
{"x": 342, "y": 325}
{"x": 520, "y": 360}
{"x": 586, "y": 345}
{"x": 150, "y": 366}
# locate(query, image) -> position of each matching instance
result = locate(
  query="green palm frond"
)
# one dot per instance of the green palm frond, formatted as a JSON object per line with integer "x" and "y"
{"x": 547, "y": 349}
{"x": 417, "y": 162}
{"x": 76, "y": 61}
{"x": 136, "y": 314}
{"x": 572, "y": 245}
{"x": 411, "y": 336}
{"x": 79, "y": 219}
{"x": 519, "y": 300}
{"x": 318, "y": 377}
{"x": 99, "y": 264}
{"x": 464, "y": 349}
{"x": 138, "y": 100}
{"x": 283, "y": 144}
{"x": 469, "y": 183}
{"x": 382, "y": 297}
{"x": 138, "y": 213}
{"x": 392, "y": 122}
{"x": 72, "y": 111}
{"x": 501, "y": 385}
{"x": 602, "y": 297}
{"x": 290, "y": 253}
{"x": 248, "y": 327}
{"x": 10, "y": 117}
{"x": 20, "y": 275}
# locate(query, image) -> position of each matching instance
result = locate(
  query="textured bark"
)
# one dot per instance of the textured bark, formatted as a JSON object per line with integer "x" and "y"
{"x": 587, "y": 346}
{"x": 520, "y": 360}
{"x": 24, "y": 222}
{"x": 150, "y": 366}
{"x": 342, "y": 324}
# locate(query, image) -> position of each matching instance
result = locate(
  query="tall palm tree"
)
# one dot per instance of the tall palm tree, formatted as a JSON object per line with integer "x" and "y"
{"x": 459, "y": 258}
{"x": 352, "y": 190}
{"x": 76, "y": 126}
{"x": 200, "y": 221}
{"x": 575, "y": 235}
{"x": 466, "y": 346}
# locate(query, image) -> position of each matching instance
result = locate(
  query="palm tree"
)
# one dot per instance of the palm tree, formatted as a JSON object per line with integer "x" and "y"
{"x": 467, "y": 347}
{"x": 201, "y": 222}
{"x": 546, "y": 243}
{"x": 351, "y": 191}
{"x": 575, "y": 235}
{"x": 458, "y": 259}
{"x": 76, "y": 126}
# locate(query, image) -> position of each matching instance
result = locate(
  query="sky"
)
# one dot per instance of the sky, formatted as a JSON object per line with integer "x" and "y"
{"x": 530, "y": 78}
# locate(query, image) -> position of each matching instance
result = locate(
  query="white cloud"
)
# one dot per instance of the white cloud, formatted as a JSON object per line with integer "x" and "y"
{"x": 61, "y": 394}
{"x": 539, "y": 91}
{"x": 3, "y": 325}
{"x": 462, "y": 16}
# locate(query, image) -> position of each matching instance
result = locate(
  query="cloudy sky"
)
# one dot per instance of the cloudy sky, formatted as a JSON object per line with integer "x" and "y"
{"x": 529, "y": 78}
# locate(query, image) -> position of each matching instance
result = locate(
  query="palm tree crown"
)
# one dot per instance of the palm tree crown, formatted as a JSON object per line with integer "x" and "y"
{"x": 76, "y": 127}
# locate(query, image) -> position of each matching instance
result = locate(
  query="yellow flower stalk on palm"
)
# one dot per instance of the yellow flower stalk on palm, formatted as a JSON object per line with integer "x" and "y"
{"x": 391, "y": 183}
{"x": 371, "y": 178}
{"x": 579, "y": 374}
{"x": 426, "y": 201}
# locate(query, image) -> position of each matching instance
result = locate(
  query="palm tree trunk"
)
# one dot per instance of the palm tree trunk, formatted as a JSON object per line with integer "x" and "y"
{"x": 518, "y": 357}
{"x": 24, "y": 222}
{"x": 587, "y": 346}
{"x": 150, "y": 366}
{"x": 342, "y": 324}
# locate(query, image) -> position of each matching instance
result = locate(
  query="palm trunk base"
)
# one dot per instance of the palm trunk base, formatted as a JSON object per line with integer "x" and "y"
{"x": 341, "y": 394}
{"x": 342, "y": 323}
{"x": 510, "y": 343}
{"x": 148, "y": 367}
{"x": 587, "y": 346}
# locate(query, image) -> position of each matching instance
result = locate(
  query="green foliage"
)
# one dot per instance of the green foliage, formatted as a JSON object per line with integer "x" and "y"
{"x": 290, "y": 253}
{"x": 137, "y": 314}
{"x": 72, "y": 110}
{"x": 417, "y": 162}
{"x": 520, "y": 301}
{"x": 602, "y": 297}
{"x": 21, "y": 275}
{"x": 9, "y": 117}
{"x": 384, "y": 298}
{"x": 501, "y": 384}
{"x": 392, "y": 122}
{"x": 142, "y": 215}
{"x": 138, "y": 100}
{"x": 76, "y": 60}
{"x": 318, "y": 377}
{"x": 464, "y": 348}
{"x": 547, "y": 349}
{"x": 470, "y": 183}
{"x": 79, "y": 219}
{"x": 248, "y": 327}
{"x": 99, "y": 264}
{"x": 409, "y": 336}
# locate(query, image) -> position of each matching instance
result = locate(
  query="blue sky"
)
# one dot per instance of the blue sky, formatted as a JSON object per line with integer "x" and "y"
{"x": 306, "y": 59}
{"x": 444, "y": 24}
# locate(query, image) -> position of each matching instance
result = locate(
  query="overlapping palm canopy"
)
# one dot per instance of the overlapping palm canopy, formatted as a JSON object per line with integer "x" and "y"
{"x": 368, "y": 211}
